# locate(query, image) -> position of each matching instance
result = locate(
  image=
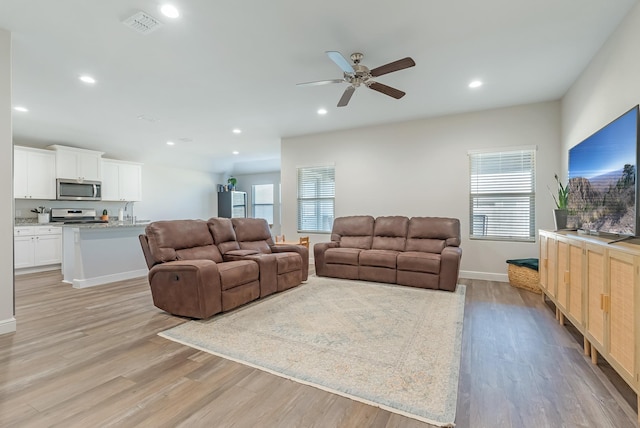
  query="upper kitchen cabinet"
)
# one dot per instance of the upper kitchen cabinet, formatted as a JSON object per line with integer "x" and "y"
{"x": 78, "y": 164}
{"x": 34, "y": 173}
{"x": 121, "y": 181}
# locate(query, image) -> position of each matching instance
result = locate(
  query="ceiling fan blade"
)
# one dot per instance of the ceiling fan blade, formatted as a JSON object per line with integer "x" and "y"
{"x": 346, "y": 96}
{"x": 400, "y": 64}
{"x": 341, "y": 61}
{"x": 387, "y": 90}
{"x": 320, "y": 82}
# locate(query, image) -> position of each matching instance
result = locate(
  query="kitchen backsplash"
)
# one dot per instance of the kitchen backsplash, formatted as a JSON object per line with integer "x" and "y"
{"x": 23, "y": 207}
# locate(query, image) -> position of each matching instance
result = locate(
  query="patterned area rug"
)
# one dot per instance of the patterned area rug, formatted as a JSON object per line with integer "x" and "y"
{"x": 390, "y": 346}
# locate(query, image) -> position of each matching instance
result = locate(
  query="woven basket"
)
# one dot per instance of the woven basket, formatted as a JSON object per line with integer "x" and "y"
{"x": 525, "y": 278}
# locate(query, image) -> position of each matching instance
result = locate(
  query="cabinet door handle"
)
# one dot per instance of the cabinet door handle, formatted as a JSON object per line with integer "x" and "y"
{"x": 604, "y": 302}
{"x": 567, "y": 277}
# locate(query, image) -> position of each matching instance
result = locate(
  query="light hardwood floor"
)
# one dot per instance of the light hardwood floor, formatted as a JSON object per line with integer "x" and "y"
{"x": 92, "y": 358}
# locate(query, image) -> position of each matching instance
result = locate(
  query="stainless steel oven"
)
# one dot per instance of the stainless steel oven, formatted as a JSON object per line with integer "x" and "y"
{"x": 76, "y": 190}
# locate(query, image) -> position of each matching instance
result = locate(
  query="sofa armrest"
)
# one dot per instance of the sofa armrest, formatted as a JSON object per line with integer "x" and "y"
{"x": 300, "y": 249}
{"x": 318, "y": 255}
{"x": 449, "y": 268}
{"x": 189, "y": 288}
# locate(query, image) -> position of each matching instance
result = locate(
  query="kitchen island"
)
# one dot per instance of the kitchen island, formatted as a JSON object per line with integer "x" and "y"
{"x": 94, "y": 254}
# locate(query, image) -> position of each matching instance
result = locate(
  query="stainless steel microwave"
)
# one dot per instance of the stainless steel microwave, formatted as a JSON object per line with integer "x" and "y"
{"x": 76, "y": 190}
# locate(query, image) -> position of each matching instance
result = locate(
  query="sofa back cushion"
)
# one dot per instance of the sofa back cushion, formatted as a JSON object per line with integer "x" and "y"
{"x": 353, "y": 231}
{"x": 181, "y": 240}
{"x": 390, "y": 233}
{"x": 432, "y": 234}
{"x": 253, "y": 234}
{"x": 224, "y": 236}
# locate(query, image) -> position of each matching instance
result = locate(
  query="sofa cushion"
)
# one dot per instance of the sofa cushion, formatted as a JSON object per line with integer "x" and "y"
{"x": 207, "y": 252}
{"x": 165, "y": 237}
{"x": 390, "y": 233}
{"x": 342, "y": 256}
{"x": 252, "y": 229}
{"x": 436, "y": 228}
{"x": 224, "y": 236}
{"x": 233, "y": 274}
{"x": 432, "y": 234}
{"x": 253, "y": 234}
{"x": 419, "y": 262}
{"x": 353, "y": 231}
{"x": 378, "y": 258}
{"x": 288, "y": 262}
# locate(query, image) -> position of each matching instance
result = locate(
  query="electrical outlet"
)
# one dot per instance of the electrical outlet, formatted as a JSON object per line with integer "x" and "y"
{"x": 18, "y": 213}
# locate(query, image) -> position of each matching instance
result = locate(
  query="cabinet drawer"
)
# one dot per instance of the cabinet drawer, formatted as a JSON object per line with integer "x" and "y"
{"x": 48, "y": 230}
{"x": 24, "y": 231}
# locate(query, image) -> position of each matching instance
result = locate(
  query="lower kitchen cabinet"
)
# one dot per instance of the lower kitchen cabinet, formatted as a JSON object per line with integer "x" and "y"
{"x": 37, "y": 246}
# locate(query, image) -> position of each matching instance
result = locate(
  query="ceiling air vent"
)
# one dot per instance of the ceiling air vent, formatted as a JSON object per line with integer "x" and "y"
{"x": 142, "y": 22}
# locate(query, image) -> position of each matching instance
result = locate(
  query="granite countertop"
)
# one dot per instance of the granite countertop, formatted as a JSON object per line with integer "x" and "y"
{"x": 32, "y": 221}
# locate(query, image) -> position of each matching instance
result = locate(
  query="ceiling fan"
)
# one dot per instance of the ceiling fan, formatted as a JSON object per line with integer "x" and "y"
{"x": 357, "y": 74}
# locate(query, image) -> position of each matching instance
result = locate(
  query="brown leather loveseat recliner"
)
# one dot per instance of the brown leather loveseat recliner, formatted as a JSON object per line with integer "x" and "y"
{"x": 419, "y": 251}
{"x": 192, "y": 274}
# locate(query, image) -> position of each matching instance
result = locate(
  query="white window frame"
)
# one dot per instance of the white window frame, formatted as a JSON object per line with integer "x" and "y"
{"x": 254, "y": 204}
{"x": 502, "y": 194}
{"x": 315, "y": 198}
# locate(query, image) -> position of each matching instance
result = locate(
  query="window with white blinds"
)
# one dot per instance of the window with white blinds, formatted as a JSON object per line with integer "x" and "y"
{"x": 502, "y": 195}
{"x": 262, "y": 201}
{"x": 316, "y": 196}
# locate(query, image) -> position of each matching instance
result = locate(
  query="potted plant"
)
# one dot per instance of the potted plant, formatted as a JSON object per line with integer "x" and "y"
{"x": 560, "y": 213}
{"x": 105, "y": 215}
{"x": 232, "y": 183}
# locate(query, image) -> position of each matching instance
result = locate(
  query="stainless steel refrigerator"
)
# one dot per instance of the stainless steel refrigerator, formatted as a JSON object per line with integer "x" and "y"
{"x": 232, "y": 204}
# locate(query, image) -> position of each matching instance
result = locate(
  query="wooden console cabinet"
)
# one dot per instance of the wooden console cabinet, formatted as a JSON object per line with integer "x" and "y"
{"x": 596, "y": 286}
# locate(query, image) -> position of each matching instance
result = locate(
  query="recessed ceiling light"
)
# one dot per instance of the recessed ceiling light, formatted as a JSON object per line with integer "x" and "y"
{"x": 237, "y": 131}
{"x": 235, "y": 152}
{"x": 170, "y": 143}
{"x": 475, "y": 84}
{"x": 169, "y": 11}
{"x": 87, "y": 79}
{"x": 20, "y": 108}
{"x": 322, "y": 111}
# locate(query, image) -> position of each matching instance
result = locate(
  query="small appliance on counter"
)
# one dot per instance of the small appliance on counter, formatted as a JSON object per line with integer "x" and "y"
{"x": 75, "y": 216}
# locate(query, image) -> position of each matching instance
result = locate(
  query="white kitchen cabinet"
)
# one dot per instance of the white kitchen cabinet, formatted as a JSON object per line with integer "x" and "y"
{"x": 34, "y": 173}
{"x": 37, "y": 246}
{"x": 78, "y": 164}
{"x": 121, "y": 181}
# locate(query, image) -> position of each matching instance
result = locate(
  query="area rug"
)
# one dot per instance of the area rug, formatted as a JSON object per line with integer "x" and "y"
{"x": 390, "y": 346}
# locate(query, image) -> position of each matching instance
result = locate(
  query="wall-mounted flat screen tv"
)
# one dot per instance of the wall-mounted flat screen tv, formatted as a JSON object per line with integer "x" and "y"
{"x": 603, "y": 190}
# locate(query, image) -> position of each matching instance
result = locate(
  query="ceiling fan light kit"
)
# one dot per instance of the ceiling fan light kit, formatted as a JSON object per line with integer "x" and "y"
{"x": 357, "y": 75}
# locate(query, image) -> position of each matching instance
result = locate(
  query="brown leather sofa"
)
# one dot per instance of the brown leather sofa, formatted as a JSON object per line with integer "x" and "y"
{"x": 281, "y": 266}
{"x": 193, "y": 275}
{"x": 419, "y": 251}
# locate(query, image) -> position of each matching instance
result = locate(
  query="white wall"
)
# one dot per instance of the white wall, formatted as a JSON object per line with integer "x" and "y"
{"x": 420, "y": 168}
{"x": 174, "y": 193}
{"x": 245, "y": 183}
{"x": 7, "y": 320}
{"x": 607, "y": 88}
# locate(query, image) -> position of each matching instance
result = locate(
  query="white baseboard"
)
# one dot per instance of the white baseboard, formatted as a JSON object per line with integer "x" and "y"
{"x": 7, "y": 326}
{"x": 99, "y": 280}
{"x": 36, "y": 269}
{"x": 486, "y": 276}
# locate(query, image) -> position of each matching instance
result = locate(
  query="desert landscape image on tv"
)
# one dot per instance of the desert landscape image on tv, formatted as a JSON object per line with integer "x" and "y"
{"x": 602, "y": 179}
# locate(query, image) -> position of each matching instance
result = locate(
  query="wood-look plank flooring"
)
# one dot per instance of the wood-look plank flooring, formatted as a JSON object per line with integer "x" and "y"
{"x": 92, "y": 358}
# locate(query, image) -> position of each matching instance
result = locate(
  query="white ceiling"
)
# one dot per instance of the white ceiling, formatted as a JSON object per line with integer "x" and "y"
{"x": 227, "y": 64}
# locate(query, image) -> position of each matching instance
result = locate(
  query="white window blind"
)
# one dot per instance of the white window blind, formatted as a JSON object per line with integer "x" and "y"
{"x": 262, "y": 199}
{"x": 316, "y": 196}
{"x": 502, "y": 197}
